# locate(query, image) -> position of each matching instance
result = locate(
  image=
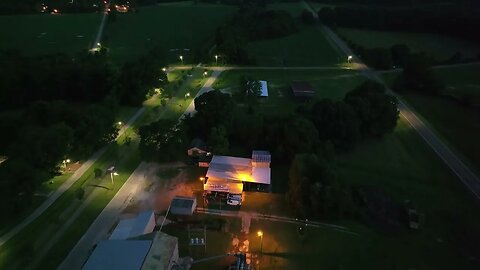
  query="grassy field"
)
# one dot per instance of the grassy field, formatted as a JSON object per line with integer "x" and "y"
{"x": 308, "y": 47}
{"x": 179, "y": 28}
{"x": 439, "y": 47}
{"x": 46, "y": 33}
{"x": 406, "y": 169}
{"x": 458, "y": 124}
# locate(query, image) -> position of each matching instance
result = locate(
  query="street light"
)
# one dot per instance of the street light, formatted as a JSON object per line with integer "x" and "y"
{"x": 216, "y": 59}
{"x": 350, "y": 58}
{"x": 181, "y": 58}
{"x": 65, "y": 161}
{"x": 260, "y": 234}
{"x": 111, "y": 176}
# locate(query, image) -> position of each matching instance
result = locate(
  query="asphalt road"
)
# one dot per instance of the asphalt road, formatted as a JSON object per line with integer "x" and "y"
{"x": 463, "y": 172}
{"x": 106, "y": 220}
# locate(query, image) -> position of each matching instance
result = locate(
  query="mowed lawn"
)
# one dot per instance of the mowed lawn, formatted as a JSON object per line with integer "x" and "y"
{"x": 46, "y": 33}
{"x": 405, "y": 168}
{"x": 437, "y": 46}
{"x": 308, "y": 47}
{"x": 178, "y": 28}
{"x": 459, "y": 125}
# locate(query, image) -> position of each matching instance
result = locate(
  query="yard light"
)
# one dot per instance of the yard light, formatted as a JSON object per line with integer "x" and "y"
{"x": 113, "y": 173}
{"x": 260, "y": 234}
{"x": 216, "y": 59}
{"x": 64, "y": 162}
{"x": 349, "y": 58}
{"x": 181, "y": 58}
{"x": 98, "y": 44}
{"x": 164, "y": 69}
{"x": 202, "y": 179}
{"x": 119, "y": 123}
{"x": 205, "y": 74}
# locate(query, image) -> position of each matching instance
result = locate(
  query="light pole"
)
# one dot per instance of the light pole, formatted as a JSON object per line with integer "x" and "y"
{"x": 65, "y": 161}
{"x": 111, "y": 176}
{"x": 181, "y": 58}
{"x": 204, "y": 181}
{"x": 260, "y": 234}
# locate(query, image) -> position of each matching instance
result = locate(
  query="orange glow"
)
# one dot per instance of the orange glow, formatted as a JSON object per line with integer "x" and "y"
{"x": 260, "y": 233}
{"x": 245, "y": 177}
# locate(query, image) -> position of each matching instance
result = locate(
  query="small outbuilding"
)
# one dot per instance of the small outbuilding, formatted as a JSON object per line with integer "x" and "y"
{"x": 197, "y": 148}
{"x": 263, "y": 89}
{"x": 302, "y": 89}
{"x": 142, "y": 224}
{"x": 118, "y": 255}
{"x": 183, "y": 205}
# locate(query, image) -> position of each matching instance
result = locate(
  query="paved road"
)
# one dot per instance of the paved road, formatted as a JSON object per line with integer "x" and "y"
{"x": 106, "y": 220}
{"x": 464, "y": 173}
{"x": 207, "y": 87}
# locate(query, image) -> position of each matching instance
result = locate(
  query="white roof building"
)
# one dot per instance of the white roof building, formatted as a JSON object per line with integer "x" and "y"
{"x": 157, "y": 251}
{"x": 226, "y": 174}
{"x": 142, "y": 224}
{"x": 118, "y": 255}
{"x": 263, "y": 88}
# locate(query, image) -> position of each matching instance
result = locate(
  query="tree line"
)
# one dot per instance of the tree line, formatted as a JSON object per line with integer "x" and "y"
{"x": 250, "y": 23}
{"x": 54, "y": 107}
{"x": 459, "y": 20}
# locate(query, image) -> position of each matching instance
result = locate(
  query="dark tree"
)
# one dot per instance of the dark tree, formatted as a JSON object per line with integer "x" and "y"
{"x": 417, "y": 76}
{"x": 312, "y": 186}
{"x": 307, "y": 17}
{"x": 400, "y": 54}
{"x": 377, "y": 111}
{"x": 327, "y": 16}
{"x": 337, "y": 122}
{"x": 218, "y": 140}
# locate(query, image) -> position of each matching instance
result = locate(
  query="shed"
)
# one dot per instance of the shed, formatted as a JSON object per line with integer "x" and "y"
{"x": 183, "y": 205}
{"x": 302, "y": 89}
{"x": 163, "y": 253}
{"x": 118, "y": 255}
{"x": 197, "y": 148}
{"x": 263, "y": 89}
{"x": 142, "y": 224}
